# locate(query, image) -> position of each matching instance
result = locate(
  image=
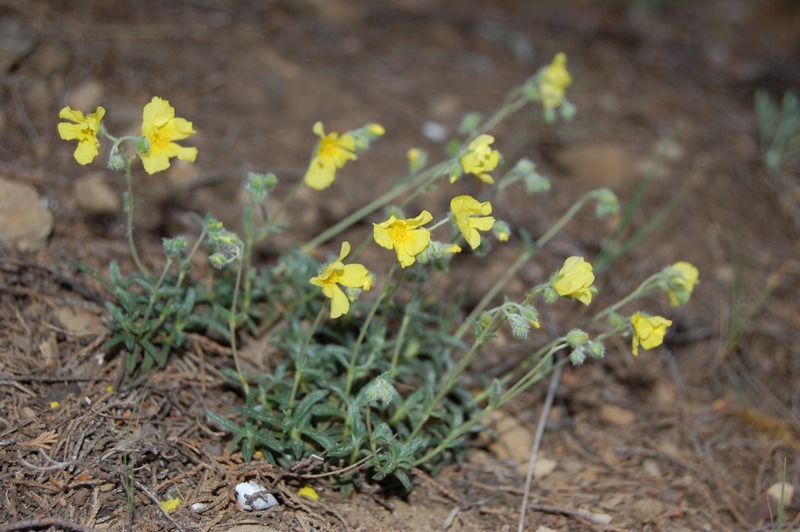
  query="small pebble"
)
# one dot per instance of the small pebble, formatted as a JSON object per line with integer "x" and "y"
{"x": 263, "y": 501}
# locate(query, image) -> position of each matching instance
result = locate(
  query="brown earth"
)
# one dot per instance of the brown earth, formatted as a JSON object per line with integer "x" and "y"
{"x": 686, "y": 437}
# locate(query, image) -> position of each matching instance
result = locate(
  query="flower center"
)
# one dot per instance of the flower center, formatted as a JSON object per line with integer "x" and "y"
{"x": 400, "y": 234}
{"x": 160, "y": 139}
{"x": 327, "y": 148}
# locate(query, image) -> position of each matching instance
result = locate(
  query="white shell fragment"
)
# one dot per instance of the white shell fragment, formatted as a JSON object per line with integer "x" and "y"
{"x": 262, "y": 501}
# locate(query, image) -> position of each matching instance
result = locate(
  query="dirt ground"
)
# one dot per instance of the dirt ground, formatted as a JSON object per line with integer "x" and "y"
{"x": 690, "y": 436}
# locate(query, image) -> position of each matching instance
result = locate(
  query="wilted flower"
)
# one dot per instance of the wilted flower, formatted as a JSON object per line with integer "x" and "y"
{"x": 84, "y": 130}
{"x": 479, "y": 159}
{"x": 336, "y": 273}
{"x": 681, "y": 279}
{"x": 554, "y": 80}
{"x": 648, "y": 331}
{"x": 161, "y": 129}
{"x": 471, "y": 216}
{"x": 332, "y": 152}
{"x": 405, "y": 236}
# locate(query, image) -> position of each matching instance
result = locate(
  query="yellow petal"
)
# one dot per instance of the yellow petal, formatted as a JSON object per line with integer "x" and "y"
{"x": 339, "y": 303}
{"x": 320, "y": 174}
{"x": 354, "y": 276}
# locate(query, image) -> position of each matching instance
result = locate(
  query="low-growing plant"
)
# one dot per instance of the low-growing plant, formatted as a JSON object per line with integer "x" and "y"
{"x": 377, "y": 384}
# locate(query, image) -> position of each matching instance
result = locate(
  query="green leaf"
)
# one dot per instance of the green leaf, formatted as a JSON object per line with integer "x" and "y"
{"x": 340, "y": 450}
{"x": 248, "y": 449}
{"x": 308, "y": 401}
{"x": 323, "y": 439}
{"x": 257, "y": 414}
{"x": 89, "y": 271}
{"x": 130, "y": 361}
{"x": 223, "y": 422}
{"x": 404, "y": 479}
{"x": 113, "y": 271}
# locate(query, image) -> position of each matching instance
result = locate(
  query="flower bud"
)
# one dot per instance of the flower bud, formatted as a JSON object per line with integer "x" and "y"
{"x": 174, "y": 247}
{"x": 380, "y": 390}
{"x": 576, "y": 338}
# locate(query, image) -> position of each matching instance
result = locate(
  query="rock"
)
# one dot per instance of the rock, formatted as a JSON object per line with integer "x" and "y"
{"x": 615, "y": 415}
{"x": 182, "y": 172}
{"x": 514, "y": 440}
{"x": 774, "y": 492}
{"x": 24, "y": 222}
{"x": 36, "y": 95}
{"x": 94, "y": 195}
{"x": 74, "y": 319}
{"x": 50, "y": 58}
{"x": 253, "y": 496}
{"x": 15, "y": 43}
{"x": 601, "y": 164}
{"x": 87, "y": 96}
{"x": 646, "y": 509}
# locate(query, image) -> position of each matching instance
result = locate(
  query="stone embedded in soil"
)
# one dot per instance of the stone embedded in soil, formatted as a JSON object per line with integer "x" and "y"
{"x": 615, "y": 415}
{"x": 16, "y": 42}
{"x": 646, "y": 509}
{"x": 95, "y": 195}
{"x": 599, "y": 164}
{"x": 514, "y": 442}
{"x": 774, "y": 492}
{"x": 87, "y": 96}
{"x": 24, "y": 222}
{"x": 76, "y": 320}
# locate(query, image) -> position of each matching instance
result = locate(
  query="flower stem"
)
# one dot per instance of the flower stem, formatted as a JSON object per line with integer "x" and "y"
{"x": 456, "y": 372}
{"x": 298, "y": 366}
{"x": 351, "y": 368}
{"x": 130, "y": 203}
{"x": 232, "y": 328}
{"x": 373, "y": 206}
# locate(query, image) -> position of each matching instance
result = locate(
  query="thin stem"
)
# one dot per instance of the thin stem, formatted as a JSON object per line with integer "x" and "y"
{"x": 495, "y": 289}
{"x": 130, "y": 202}
{"x": 153, "y": 296}
{"x": 248, "y": 254}
{"x": 401, "y": 334}
{"x": 373, "y": 206}
{"x": 465, "y": 427}
{"x": 640, "y": 291}
{"x": 232, "y": 329}
{"x": 298, "y": 366}
{"x": 527, "y": 254}
{"x": 537, "y": 441}
{"x": 285, "y": 203}
{"x": 456, "y": 372}
{"x": 351, "y": 368}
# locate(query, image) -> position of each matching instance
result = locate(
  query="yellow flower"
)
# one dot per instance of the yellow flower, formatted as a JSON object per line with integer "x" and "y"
{"x": 161, "y": 129}
{"x": 683, "y": 276}
{"x": 308, "y": 492}
{"x": 171, "y": 505}
{"x": 84, "y": 130}
{"x": 336, "y": 273}
{"x": 648, "y": 331}
{"x": 554, "y": 81}
{"x": 54, "y": 404}
{"x": 470, "y": 216}
{"x": 333, "y": 150}
{"x": 480, "y": 158}
{"x": 574, "y": 280}
{"x": 404, "y": 235}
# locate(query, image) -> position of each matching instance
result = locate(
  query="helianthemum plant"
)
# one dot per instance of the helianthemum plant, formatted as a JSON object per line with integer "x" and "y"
{"x": 376, "y": 382}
